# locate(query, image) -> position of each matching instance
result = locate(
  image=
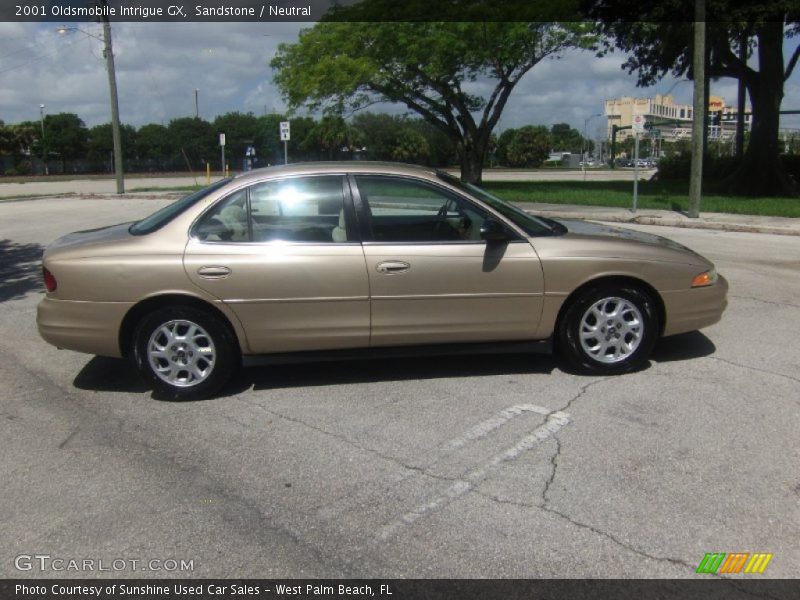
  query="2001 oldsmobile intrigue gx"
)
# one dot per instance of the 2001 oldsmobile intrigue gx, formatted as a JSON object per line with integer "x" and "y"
{"x": 333, "y": 256}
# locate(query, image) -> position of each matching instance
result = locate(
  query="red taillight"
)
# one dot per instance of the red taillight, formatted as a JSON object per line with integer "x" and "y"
{"x": 50, "y": 282}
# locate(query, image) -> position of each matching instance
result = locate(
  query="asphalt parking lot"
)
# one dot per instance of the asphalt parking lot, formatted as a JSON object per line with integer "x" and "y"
{"x": 492, "y": 466}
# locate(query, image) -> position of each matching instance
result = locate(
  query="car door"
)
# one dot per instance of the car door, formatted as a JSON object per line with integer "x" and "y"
{"x": 284, "y": 254}
{"x": 432, "y": 278}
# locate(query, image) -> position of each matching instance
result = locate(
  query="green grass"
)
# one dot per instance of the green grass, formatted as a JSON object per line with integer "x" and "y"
{"x": 668, "y": 195}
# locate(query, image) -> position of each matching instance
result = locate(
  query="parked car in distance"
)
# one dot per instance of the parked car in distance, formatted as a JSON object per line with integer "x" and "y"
{"x": 358, "y": 258}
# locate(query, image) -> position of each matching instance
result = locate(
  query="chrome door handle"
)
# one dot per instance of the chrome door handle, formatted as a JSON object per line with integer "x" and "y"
{"x": 393, "y": 266}
{"x": 213, "y": 272}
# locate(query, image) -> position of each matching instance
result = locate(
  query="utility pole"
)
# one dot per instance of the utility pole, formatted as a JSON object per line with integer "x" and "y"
{"x": 584, "y": 145}
{"x": 112, "y": 84}
{"x": 635, "y": 170}
{"x": 196, "y": 104}
{"x": 700, "y": 104}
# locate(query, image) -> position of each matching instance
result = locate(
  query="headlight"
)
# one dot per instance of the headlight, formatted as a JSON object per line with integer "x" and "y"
{"x": 705, "y": 278}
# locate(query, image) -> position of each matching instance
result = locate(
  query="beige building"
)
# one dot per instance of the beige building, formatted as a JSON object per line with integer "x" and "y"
{"x": 673, "y": 120}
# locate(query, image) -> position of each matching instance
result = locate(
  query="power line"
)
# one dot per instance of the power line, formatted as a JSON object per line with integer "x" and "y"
{"x": 34, "y": 59}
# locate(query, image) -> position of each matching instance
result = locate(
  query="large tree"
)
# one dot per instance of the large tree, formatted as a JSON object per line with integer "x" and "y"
{"x": 400, "y": 138}
{"x": 241, "y": 131}
{"x": 331, "y": 136}
{"x": 16, "y": 140}
{"x": 567, "y": 138}
{"x": 529, "y": 147}
{"x": 153, "y": 142}
{"x": 195, "y": 140}
{"x": 457, "y": 76}
{"x": 100, "y": 143}
{"x": 658, "y": 45}
{"x": 65, "y": 137}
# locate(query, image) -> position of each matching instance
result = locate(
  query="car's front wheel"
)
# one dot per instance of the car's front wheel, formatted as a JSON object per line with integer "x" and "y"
{"x": 608, "y": 330}
{"x": 185, "y": 353}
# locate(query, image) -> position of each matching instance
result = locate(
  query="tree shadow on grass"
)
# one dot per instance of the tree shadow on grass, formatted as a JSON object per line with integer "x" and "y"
{"x": 20, "y": 269}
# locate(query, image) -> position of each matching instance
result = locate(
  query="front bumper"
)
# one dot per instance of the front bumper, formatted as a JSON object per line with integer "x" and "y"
{"x": 689, "y": 310}
{"x": 91, "y": 327}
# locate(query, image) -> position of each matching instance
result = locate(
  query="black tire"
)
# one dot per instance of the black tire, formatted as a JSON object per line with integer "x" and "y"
{"x": 212, "y": 334}
{"x": 602, "y": 360}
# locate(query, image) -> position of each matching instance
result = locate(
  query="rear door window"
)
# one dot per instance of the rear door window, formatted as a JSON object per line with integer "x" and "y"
{"x": 298, "y": 209}
{"x": 301, "y": 209}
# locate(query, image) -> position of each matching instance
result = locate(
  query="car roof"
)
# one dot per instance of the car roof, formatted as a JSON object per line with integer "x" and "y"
{"x": 351, "y": 166}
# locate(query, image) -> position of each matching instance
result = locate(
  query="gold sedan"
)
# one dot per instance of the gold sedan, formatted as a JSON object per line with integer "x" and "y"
{"x": 301, "y": 261}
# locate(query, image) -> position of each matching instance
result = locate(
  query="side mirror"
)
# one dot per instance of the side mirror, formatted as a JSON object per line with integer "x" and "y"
{"x": 493, "y": 231}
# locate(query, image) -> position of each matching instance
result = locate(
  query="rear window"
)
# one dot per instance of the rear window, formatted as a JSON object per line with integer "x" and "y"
{"x": 163, "y": 216}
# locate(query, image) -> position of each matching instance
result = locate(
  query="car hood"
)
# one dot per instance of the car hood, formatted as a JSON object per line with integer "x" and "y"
{"x": 599, "y": 229}
{"x": 630, "y": 239}
{"x": 89, "y": 238}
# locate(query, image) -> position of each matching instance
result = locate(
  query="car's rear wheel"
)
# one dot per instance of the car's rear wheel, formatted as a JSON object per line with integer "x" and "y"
{"x": 608, "y": 330}
{"x": 185, "y": 352}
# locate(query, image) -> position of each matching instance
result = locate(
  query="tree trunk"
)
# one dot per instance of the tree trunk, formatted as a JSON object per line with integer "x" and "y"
{"x": 471, "y": 156}
{"x": 761, "y": 172}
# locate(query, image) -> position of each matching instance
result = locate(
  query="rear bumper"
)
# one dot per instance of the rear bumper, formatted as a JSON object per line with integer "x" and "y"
{"x": 91, "y": 327}
{"x": 689, "y": 310}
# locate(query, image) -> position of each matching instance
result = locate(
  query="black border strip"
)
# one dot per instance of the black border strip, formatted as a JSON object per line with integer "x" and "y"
{"x": 141, "y": 11}
{"x": 403, "y": 589}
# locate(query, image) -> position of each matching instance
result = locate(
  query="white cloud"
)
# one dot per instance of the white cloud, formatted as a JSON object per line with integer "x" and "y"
{"x": 159, "y": 65}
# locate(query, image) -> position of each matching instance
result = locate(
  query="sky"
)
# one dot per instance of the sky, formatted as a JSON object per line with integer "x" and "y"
{"x": 160, "y": 65}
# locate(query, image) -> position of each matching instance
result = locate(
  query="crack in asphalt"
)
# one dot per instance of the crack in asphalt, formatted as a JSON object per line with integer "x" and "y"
{"x": 545, "y": 505}
{"x": 419, "y": 469}
{"x": 72, "y": 434}
{"x": 773, "y": 302}
{"x": 214, "y": 486}
{"x": 581, "y": 392}
{"x": 554, "y": 458}
{"x": 342, "y": 438}
{"x": 554, "y": 464}
{"x": 616, "y": 540}
{"x": 757, "y": 369}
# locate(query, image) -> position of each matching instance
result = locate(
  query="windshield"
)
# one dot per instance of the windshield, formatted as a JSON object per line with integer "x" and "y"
{"x": 163, "y": 216}
{"x": 531, "y": 225}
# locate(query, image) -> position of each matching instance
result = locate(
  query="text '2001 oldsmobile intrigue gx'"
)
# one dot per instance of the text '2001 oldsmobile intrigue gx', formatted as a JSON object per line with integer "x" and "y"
{"x": 331, "y": 256}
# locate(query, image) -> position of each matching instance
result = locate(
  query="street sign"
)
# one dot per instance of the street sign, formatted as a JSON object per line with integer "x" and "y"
{"x": 655, "y": 133}
{"x": 285, "y": 131}
{"x": 638, "y": 124}
{"x": 221, "y": 139}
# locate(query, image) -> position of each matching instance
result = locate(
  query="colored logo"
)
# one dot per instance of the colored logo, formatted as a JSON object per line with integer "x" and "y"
{"x": 734, "y": 562}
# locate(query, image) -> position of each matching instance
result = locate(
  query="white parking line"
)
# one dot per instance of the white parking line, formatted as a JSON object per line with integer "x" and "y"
{"x": 555, "y": 421}
{"x": 482, "y": 429}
